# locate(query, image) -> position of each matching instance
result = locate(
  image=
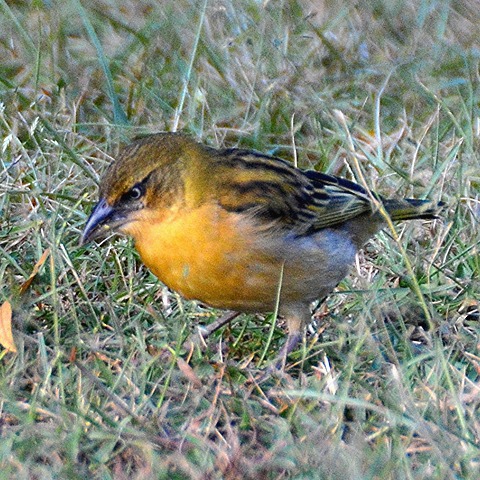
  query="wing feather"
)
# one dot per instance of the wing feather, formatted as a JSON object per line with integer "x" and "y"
{"x": 274, "y": 191}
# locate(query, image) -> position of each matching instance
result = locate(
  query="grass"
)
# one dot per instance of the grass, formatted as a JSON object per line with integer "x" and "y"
{"x": 386, "y": 386}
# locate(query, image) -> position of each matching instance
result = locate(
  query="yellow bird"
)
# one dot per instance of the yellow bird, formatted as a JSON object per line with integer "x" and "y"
{"x": 237, "y": 229}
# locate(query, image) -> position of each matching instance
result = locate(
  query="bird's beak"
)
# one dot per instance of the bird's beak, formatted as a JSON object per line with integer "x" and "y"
{"x": 99, "y": 222}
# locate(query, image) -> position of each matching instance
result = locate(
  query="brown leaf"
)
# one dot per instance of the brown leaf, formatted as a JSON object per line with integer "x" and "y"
{"x": 73, "y": 355}
{"x": 6, "y": 337}
{"x": 188, "y": 372}
{"x": 25, "y": 285}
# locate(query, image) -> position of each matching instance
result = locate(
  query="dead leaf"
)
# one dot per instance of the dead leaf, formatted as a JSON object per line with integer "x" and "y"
{"x": 73, "y": 355}
{"x": 188, "y": 372}
{"x": 6, "y": 337}
{"x": 25, "y": 285}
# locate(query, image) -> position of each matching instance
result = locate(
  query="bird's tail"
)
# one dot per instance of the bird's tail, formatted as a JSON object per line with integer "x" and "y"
{"x": 409, "y": 208}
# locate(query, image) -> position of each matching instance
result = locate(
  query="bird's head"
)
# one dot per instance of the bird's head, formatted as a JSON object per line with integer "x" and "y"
{"x": 146, "y": 177}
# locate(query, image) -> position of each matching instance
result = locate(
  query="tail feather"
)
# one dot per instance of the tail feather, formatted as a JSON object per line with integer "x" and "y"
{"x": 409, "y": 208}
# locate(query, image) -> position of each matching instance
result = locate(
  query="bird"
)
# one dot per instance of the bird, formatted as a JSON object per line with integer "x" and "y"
{"x": 240, "y": 230}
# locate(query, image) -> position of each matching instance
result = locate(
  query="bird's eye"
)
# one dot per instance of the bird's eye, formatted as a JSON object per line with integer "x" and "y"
{"x": 135, "y": 193}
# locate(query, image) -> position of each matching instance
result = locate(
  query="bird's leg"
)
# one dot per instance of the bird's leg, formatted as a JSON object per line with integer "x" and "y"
{"x": 296, "y": 321}
{"x": 278, "y": 364}
{"x": 293, "y": 339}
{"x": 219, "y": 323}
{"x": 204, "y": 332}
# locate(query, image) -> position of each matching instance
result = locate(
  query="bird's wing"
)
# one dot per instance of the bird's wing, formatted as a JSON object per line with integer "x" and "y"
{"x": 274, "y": 191}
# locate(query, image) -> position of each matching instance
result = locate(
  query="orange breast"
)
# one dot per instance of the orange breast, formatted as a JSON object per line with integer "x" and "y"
{"x": 210, "y": 255}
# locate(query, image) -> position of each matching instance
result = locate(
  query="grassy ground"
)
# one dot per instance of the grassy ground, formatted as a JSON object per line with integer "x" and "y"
{"x": 387, "y": 385}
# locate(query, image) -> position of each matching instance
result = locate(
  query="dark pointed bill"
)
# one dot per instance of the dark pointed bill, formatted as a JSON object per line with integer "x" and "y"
{"x": 99, "y": 222}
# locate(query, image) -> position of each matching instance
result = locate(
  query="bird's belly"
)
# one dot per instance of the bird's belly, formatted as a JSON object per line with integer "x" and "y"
{"x": 223, "y": 260}
{"x": 206, "y": 255}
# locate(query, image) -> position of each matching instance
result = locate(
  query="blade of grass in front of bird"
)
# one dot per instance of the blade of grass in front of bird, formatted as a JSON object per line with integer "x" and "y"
{"x": 274, "y": 318}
